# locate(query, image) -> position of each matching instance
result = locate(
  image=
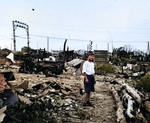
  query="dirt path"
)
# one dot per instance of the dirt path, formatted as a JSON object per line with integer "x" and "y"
{"x": 103, "y": 110}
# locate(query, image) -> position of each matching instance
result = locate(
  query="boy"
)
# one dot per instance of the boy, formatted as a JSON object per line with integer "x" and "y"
{"x": 89, "y": 81}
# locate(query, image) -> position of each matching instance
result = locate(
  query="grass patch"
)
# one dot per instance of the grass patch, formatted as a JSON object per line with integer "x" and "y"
{"x": 103, "y": 68}
{"x": 144, "y": 83}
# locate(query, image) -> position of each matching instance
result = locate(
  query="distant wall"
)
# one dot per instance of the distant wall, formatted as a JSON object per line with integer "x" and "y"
{"x": 101, "y": 56}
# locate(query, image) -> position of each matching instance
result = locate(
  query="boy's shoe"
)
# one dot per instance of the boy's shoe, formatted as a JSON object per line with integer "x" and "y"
{"x": 82, "y": 91}
{"x": 89, "y": 103}
{"x": 84, "y": 104}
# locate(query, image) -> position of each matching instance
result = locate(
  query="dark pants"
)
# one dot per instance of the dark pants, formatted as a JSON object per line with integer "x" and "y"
{"x": 89, "y": 86}
{"x": 8, "y": 98}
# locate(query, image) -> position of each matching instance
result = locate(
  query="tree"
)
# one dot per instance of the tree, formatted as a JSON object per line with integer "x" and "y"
{"x": 120, "y": 52}
{"x": 128, "y": 48}
{"x": 138, "y": 53}
{"x": 25, "y": 49}
{"x": 124, "y": 51}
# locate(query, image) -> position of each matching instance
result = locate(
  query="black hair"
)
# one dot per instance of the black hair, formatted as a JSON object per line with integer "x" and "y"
{"x": 90, "y": 53}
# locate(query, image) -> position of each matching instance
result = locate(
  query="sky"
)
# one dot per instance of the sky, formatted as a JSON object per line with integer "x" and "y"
{"x": 107, "y": 23}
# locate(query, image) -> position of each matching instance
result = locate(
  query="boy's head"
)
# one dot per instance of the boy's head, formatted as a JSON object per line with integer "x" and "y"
{"x": 90, "y": 56}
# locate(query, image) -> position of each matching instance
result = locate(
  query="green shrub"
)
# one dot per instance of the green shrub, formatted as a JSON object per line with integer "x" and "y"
{"x": 18, "y": 56}
{"x": 124, "y": 61}
{"x": 144, "y": 83}
{"x": 103, "y": 68}
{"x": 132, "y": 61}
{"x": 115, "y": 61}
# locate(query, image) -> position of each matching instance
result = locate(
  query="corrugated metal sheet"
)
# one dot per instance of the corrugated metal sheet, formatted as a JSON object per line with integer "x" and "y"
{"x": 74, "y": 62}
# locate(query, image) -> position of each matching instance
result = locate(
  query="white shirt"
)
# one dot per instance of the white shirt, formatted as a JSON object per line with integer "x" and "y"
{"x": 88, "y": 68}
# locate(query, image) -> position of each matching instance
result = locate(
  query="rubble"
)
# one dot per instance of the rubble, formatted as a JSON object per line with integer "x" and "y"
{"x": 2, "y": 114}
{"x": 58, "y": 99}
{"x": 131, "y": 101}
{"x": 52, "y": 92}
{"x": 11, "y": 57}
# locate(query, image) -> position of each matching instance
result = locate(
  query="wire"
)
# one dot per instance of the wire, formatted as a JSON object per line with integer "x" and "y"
{"x": 88, "y": 40}
{"x": 58, "y": 38}
{"x": 20, "y": 37}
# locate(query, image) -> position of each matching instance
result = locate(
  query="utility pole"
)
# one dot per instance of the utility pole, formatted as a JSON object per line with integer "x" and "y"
{"x": 108, "y": 47}
{"x": 90, "y": 45}
{"x": 148, "y": 50}
{"x": 112, "y": 46}
{"x": 47, "y": 44}
{"x": 96, "y": 46}
{"x": 27, "y": 29}
{"x": 21, "y": 25}
{"x": 37, "y": 47}
{"x": 14, "y": 37}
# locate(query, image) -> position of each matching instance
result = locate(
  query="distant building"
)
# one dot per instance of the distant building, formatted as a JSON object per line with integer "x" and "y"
{"x": 67, "y": 55}
{"x": 101, "y": 56}
{"x": 56, "y": 52}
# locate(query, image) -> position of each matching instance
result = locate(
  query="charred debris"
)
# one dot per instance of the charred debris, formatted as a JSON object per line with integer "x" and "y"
{"x": 47, "y": 100}
{"x": 40, "y": 63}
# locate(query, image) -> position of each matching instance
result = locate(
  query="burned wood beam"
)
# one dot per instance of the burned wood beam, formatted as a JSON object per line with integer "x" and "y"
{"x": 130, "y": 103}
{"x": 119, "y": 113}
{"x": 65, "y": 45}
{"x": 133, "y": 93}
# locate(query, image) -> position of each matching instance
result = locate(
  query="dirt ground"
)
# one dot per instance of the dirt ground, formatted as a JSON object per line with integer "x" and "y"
{"x": 103, "y": 109}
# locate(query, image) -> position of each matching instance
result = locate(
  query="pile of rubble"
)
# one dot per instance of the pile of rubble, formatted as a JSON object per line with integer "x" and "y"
{"x": 41, "y": 103}
{"x": 135, "y": 70}
{"x": 4, "y": 53}
{"x": 57, "y": 99}
{"x": 44, "y": 99}
{"x": 132, "y": 105}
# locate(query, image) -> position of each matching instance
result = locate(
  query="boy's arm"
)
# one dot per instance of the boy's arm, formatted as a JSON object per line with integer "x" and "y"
{"x": 84, "y": 71}
{"x": 86, "y": 79}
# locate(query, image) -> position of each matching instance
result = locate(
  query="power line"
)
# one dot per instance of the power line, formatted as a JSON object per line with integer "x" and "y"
{"x": 115, "y": 41}
{"x": 20, "y": 37}
{"x": 58, "y": 38}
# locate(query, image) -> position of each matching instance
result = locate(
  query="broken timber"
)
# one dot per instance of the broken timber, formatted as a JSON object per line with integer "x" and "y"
{"x": 119, "y": 113}
{"x": 132, "y": 103}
